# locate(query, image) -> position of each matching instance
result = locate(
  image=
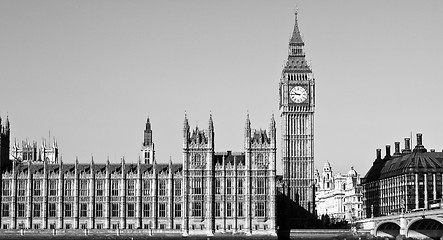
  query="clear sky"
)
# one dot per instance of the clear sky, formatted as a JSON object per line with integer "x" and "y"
{"x": 90, "y": 72}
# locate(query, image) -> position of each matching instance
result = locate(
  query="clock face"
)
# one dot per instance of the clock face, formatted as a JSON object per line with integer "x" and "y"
{"x": 298, "y": 94}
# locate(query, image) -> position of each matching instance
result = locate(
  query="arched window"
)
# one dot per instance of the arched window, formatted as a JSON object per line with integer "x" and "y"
{"x": 197, "y": 159}
{"x": 259, "y": 159}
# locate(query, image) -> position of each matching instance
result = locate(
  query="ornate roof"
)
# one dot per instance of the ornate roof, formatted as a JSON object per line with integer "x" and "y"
{"x": 352, "y": 172}
{"x": 296, "y": 36}
{"x": 417, "y": 161}
{"x": 86, "y": 168}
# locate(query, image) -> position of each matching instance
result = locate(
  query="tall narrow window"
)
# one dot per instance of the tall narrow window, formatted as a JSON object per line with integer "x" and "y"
{"x": 37, "y": 209}
{"x": 197, "y": 159}
{"x": 37, "y": 187}
{"x": 131, "y": 187}
{"x": 98, "y": 210}
{"x": 53, "y": 184}
{"x": 146, "y": 210}
{"x": 68, "y": 187}
{"x": 161, "y": 187}
{"x": 197, "y": 186}
{"x": 240, "y": 186}
{"x": 68, "y": 209}
{"x": 131, "y": 210}
{"x": 83, "y": 210}
{"x": 178, "y": 187}
{"x": 259, "y": 159}
{"x": 21, "y": 210}
{"x": 197, "y": 209}
{"x": 114, "y": 187}
{"x": 162, "y": 209}
{"x": 84, "y": 187}
{"x": 217, "y": 186}
{"x": 260, "y": 209}
{"x": 5, "y": 209}
{"x": 25, "y": 155}
{"x": 178, "y": 209}
{"x": 146, "y": 187}
{"x": 240, "y": 209}
{"x": 217, "y": 209}
{"x": 228, "y": 187}
{"x": 6, "y": 187}
{"x": 100, "y": 185}
{"x": 114, "y": 210}
{"x": 52, "y": 209}
{"x": 21, "y": 186}
{"x": 261, "y": 186}
{"x": 228, "y": 209}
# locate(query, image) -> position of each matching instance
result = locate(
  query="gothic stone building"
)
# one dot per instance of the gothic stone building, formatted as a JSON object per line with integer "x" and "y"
{"x": 297, "y": 104}
{"x": 209, "y": 192}
{"x": 28, "y": 151}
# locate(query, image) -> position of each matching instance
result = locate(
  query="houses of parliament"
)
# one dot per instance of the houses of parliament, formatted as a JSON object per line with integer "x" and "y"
{"x": 207, "y": 192}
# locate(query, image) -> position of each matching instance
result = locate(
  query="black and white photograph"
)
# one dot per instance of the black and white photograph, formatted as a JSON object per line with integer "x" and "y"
{"x": 209, "y": 119}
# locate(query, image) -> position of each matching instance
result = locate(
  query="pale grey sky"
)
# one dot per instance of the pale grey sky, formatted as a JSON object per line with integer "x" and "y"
{"x": 90, "y": 72}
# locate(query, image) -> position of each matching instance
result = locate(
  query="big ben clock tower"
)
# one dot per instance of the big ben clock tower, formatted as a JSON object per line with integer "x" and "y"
{"x": 297, "y": 101}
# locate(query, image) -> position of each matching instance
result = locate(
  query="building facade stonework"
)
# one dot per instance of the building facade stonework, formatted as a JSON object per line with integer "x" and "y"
{"x": 28, "y": 151}
{"x": 297, "y": 103}
{"x": 207, "y": 192}
{"x": 210, "y": 192}
{"x": 338, "y": 196}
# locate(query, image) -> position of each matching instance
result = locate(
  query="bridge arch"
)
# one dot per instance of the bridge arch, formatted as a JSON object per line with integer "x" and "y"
{"x": 387, "y": 229}
{"x": 429, "y": 227}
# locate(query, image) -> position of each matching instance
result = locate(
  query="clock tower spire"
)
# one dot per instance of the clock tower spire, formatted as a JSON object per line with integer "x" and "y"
{"x": 297, "y": 101}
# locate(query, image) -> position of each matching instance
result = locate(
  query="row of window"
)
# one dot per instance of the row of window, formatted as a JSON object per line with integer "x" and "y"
{"x": 197, "y": 209}
{"x": 132, "y": 226}
{"x": 260, "y": 209}
{"x": 99, "y": 212}
{"x": 197, "y": 186}
{"x": 84, "y": 187}
{"x": 85, "y": 226}
{"x": 259, "y": 185}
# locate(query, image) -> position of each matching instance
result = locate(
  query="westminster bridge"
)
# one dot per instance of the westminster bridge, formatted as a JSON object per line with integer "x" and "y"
{"x": 416, "y": 224}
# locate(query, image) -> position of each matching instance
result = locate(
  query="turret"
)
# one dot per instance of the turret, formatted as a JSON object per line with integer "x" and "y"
{"x": 211, "y": 131}
{"x": 148, "y": 145}
{"x": 147, "y": 134}
{"x": 296, "y": 42}
{"x": 4, "y": 143}
{"x": 92, "y": 165}
{"x": 272, "y": 132}
{"x": 75, "y": 167}
{"x": 185, "y": 132}
{"x": 247, "y": 132}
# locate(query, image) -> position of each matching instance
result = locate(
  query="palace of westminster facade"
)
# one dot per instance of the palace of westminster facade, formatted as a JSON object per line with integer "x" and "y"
{"x": 208, "y": 192}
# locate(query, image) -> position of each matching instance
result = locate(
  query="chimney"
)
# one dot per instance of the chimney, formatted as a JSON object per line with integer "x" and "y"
{"x": 388, "y": 151}
{"x": 378, "y": 153}
{"x": 419, "y": 139}
{"x": 419, "y": 147}
{"x": 407, "y": 146}
{"x": 397, "y": 149}
{"x": 432, "y": 150}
